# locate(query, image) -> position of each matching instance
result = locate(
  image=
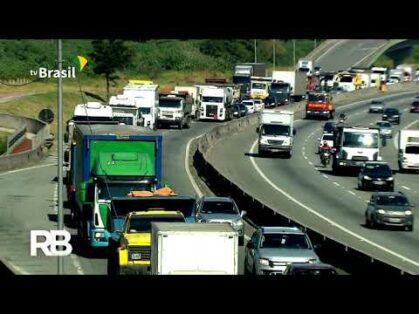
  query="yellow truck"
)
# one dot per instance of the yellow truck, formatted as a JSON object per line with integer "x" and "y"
{"x": 131, "y": 253}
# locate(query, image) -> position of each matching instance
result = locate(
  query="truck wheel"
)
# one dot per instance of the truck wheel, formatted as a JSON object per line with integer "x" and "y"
{"x": 180, "y": 125}
{"x": 409, "y": 228}
{"x": 288, "y": 154}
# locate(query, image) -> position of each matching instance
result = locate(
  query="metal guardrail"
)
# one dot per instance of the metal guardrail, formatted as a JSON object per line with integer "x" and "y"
{"x": 13, "y": 139}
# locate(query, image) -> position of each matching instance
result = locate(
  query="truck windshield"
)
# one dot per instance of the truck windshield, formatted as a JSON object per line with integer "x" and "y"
{"x": 241, "y": 79}
{"x": 107, "y": 191}
{"x": 218, "y": 207}
{"x": 346, "y": 79}
{"x": 166, "y": 103}
{"x": 360, "y": 140}
{"x": 279, "y": 87}
{"x": 259, "y": 85}
{"x": 316, "y": 98}
{"x": 212, "y": 99}
{"x": 124, "y": 120}
{"x": 412, "y": 150}
{"x": 284, "y": 241}
{"x": 145, "y": 110}
{"x": 275, "y": 129}
{"x": 91, "y": 118}
{"x": 143, "y": 224}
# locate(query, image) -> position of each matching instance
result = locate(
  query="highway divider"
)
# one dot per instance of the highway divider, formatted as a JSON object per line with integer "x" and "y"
{"x": 258, "y": 214}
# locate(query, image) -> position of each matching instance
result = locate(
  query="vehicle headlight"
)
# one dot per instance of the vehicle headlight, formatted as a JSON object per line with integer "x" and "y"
{"x": 263, "y": 141}
{"x": 312, "y": 260}
{"x": 99, "y": 235}
{"x": 264, "y": 261}
{"x": 408, "y": 212}
{"x": 381, "y": 211}
{"x": 286, "y": 141}
{"x": 384, "y": 115}
{"x": 367, "y": 178}
{"x": 390, "y": 179}
{"x": 202, "y": 220}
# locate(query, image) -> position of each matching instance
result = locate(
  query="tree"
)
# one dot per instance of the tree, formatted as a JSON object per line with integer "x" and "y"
{"x": 108, "y": 56}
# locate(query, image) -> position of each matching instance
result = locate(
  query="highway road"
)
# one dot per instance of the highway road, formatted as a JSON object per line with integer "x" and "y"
{"x": 310, "y": 194}
{"x": 347, "y": 53}
{"x": 28, "y": 201}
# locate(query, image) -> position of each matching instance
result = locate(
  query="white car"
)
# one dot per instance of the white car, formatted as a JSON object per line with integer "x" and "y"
{"x": 250, "y": 104}
{"x": 326, "y": 137}
{"x": 259, "y": 105}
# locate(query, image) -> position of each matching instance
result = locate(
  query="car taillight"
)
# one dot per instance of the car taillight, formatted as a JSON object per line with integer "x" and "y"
{"x": 71, "y": 189}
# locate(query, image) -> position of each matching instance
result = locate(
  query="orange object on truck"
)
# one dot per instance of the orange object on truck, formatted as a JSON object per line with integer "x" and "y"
{"x": 319, "y": 105}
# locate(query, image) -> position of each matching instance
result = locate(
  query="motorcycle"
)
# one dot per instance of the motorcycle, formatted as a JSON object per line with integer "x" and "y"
{"x": 325, "y": 158}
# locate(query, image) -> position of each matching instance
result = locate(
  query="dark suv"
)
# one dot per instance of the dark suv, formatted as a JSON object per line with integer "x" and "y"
{"x": 414, "y": 107}
{"x": 391, "y": 115}
{"x": 376, "y": 175}
{"x": 389, "y": 209}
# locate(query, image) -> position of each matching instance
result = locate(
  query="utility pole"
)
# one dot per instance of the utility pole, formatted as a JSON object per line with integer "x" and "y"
{"x": 315, "y": 43}
{"x": 293, "y": 51}
{"x": 273, "y": 55}
{"x": 256, "y": 59}
{"x": 60, "y": 265}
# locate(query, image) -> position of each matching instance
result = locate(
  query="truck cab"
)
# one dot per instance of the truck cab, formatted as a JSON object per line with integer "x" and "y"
{"x": 215, "y": 104}
{"x": 174, "y": 110}
{"x": 276, "y": 132}
{"x": 124, "y": 110}
{"x": 281, "y": 92}
{"x": 305, "y": 66}
{"x": 319, "y": 105}
{"x": 131, "y": 247}
{"x": 259, "y": 89}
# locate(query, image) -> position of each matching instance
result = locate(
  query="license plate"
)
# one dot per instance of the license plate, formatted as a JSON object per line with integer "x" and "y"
{"x": 378, "y": 182}
{"x": 394, "y": 219}
{"x": 136, "y": 255}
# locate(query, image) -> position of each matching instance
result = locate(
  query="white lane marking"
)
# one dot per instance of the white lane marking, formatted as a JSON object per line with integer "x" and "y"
{"x": 29, "y": 168}
{"x": 371, "y": 53}
{"x": 335, "y": 183}
{"x": 74, "y": 258}
{"x": 188, "y": 172}
{"x": 406, "y": 109}
{"x": 325, "y": 176}
{"x": 350, "y": 192}
{"x": 305, "y": 157}
{"x": 331, "y": 222}
{"x": 310, "y": 163}
{"x": 339, "y": 42}
{"x": 406, "y": 188}
{"x": 396, "y": 138}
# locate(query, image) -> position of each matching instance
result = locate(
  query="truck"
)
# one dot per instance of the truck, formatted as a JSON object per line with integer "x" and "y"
{"x": 305, "y": 66}
{"x": 141, "y": 208}
{"x": 296, "y": 80}
{"x": 174, "y": 110}
{"x": 194, "y": 249}
{"x": 408, "y": 150}
{"x": 243, "y": 73}
{"x": 193, "y": 93}
{"x": 109, "y": 161}
{"x": 354, "y": 146}
{"x": 395, "y": 76}
{"x": 259, "y": 87}
{"x": 146, "y": 99}
{"x": 409, "y": 72}
{"x": 125, "y": 111}
{"x": 319, "y": 105}
{"x": 382, "y": 71}
{"x": 276, "y": 132}
{"x": 280, "y": 91}
{"x": 216, "y": 104}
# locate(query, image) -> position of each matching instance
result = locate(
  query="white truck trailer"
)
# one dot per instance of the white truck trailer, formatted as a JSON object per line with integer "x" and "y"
{"x": 408, "y": 150}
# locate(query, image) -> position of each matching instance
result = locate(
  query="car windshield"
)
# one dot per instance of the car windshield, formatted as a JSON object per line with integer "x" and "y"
{"x": 412, "y": 150}
{"x": 391, "y": 111}
{"x": 395, "y": 200}
{"x": 284, "y": 241}
{"x": 275, "y": 129}
{"x": 317, "y": 98}
{"x": 242, "y": 107}
{"x": 259, "y": 85}
{"x": 143, "y": 224}
{"x": 377, "y": 102}
{"x": 384, "y": 125}
{"x": 248, "y": 103}
{"x": 327, "y": 138}
{"x": 379, "y": 169}
{"x": 329, "y": 126}
{"x": 218, "y": 207}
{"x": 360, "y": 140}
{"x": 212, "y": 99}
{"x": 415, "y": 104}
{"x": 169, "y": 103}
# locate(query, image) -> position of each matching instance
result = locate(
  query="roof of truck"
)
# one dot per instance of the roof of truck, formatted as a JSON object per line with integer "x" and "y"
{"x": 112, "y": 129}
{"x": 193, "y": 227}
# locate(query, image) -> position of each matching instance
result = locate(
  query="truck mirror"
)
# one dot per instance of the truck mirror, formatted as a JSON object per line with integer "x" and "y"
{"x": 257, "y": 130}
{"x": 66, "y": 137}
{"x": 294, "y": 131}
{"x": 243, "y": 213}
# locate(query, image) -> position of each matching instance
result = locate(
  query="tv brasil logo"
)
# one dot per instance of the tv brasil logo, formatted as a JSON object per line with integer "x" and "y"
{"x": 79, "y": 63}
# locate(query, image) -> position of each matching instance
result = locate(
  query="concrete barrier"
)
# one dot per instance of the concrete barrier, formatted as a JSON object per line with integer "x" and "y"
{"x": 38, "y": 151}
{"x": 331, "y": 251}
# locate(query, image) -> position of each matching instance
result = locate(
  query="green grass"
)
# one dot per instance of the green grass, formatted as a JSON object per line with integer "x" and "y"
{"x": 3, "y": 142}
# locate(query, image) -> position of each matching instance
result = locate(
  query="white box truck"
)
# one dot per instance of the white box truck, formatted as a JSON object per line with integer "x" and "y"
{"x": 194, "y": 249}
{"x": 408, "y": 150}
{"x": 215, "y": 104}
{"x": 297, "y": 81}
{"x": 276, "y": 132}
{"x": 124, "y": 110}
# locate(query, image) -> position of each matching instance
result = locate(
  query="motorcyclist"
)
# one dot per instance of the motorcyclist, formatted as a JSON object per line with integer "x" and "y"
{"x": 325, "y": 147}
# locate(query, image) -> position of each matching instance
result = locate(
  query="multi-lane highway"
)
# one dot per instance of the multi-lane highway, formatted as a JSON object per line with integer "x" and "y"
{"x": 312, "y": 195}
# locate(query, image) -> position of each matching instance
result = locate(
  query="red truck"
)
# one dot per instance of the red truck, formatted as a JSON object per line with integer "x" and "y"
{"x": 319, "y": 105}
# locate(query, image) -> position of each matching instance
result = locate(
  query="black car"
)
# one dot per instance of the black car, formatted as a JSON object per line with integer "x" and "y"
{"x": 236, "y": 111}
{"x": 389, "y": 209}
{"x": 243, "y": 110}
{"x": 376, "y": 175}
{"x": 329, "y": 127}
{"x": 414, "y": 107}
{"x": 270, "y": 102}
{"x": 315, "y": 269}
{"x": 391, "y": 115}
